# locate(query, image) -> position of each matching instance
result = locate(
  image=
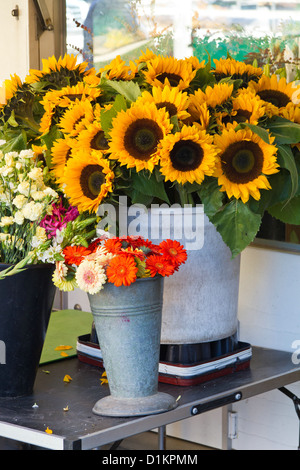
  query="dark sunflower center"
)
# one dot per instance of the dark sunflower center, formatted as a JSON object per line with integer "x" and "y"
{"x": 242, "y": 115}
{"x": 62, "y": 78}
{"x": 141, "y": 138}
{"x": 242, "y": 162}
{"x": 91, "y": 180}
{"x": 99, "y": 141}
{"x": 73, "y": 97}
{"x": 245, "y": 77}
{"x": 173, "y": 78}
{"x": 186, "y": 155}
{"x": 277, "y": 98}
{"x": 170, "y": 107}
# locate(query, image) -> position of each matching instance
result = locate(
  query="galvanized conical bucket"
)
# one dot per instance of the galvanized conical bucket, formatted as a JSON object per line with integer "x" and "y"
{"x": 128, "y": 325}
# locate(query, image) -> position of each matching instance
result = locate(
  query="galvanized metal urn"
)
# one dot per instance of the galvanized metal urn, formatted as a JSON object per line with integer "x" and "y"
{"x": 128, "y": 325}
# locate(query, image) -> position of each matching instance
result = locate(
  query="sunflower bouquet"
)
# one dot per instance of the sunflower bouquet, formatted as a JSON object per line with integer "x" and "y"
{"x": 220, "y": 133}
{"x": 117, "y": 260}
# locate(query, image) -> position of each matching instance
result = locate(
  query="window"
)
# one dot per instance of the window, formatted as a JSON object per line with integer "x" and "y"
{"x": 264, "y": 31}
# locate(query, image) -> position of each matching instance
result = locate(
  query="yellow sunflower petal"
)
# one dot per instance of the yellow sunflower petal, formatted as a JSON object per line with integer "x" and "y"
{"x": 169, "y": 71}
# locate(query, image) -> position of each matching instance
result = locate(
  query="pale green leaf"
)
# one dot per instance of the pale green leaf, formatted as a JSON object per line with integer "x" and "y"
{"x": 130, "y": 90}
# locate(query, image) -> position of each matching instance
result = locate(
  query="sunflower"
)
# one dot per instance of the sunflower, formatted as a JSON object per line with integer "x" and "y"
{"x": 76, "y": 118}
{"x": 275, "y": 92}
{"x": 157, "y": 264}
{"x": 47, "y": 119}
{"x": 62, "y": 72}
{"x": 122, "y": 270}
{"x": 93, "y": 138}
{"x": 170, "y": 98}
{"x": 163, "y": 71}
{"x": 243, "y": 161}
{"x": 118, "y": 70}
{"x": 146, "y": 56}
{"x": 195, "y": 62}
{"x": 216, "y": 95}
{"x": 188, "y": 155}
{"x": 236, "y": 70}
{"x": 87, "y": 180}
{"x": 246, "y": 107}
{"x": 136, "y": 135}
{"x": 18, "y": 98}
{"x": 61, "y": 151}
{"x": 66, "y": 96}
{"x": 11, "y": 86}
{"x": 200, "y": 115}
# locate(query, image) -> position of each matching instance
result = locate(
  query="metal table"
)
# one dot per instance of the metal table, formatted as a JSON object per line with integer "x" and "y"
{"x": 26, "y": 419}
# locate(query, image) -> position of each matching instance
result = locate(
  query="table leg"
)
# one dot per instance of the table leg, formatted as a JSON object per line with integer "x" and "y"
{"x": 162, "y": 438}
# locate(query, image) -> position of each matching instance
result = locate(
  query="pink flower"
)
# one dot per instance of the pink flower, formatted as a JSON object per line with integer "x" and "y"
{"x": 58, "y": 219}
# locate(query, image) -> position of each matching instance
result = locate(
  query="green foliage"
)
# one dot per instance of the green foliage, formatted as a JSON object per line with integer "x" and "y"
{"x": 237, "y": 224}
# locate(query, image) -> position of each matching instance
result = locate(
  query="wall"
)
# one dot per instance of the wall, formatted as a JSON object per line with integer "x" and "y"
{"x": 269, "y": 314}
{"x": 15, "y": 57}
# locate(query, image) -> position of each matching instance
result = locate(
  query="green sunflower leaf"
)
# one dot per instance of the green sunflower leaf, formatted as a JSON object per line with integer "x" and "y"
{"x": 286, "y": 160}
{"x": 211, "y": 196}
{"x": 237, "y": 225}
{"x": 284, "y": 131}
{"x": 287, "y": 212}
{"x": 262, "y": 133}
{"x": 130, "y": 90}
{"x": 106, "y": 116}
{"x": 149, "y": 186}
{"x": 14, "y": 144}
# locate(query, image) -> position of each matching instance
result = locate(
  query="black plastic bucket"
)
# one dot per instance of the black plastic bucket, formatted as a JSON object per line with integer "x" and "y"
{"x": 26, "y": 301}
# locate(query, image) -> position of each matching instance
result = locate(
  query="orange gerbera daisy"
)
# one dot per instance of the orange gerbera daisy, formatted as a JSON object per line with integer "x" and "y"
{"x": 173, "y": 251}
{"x": 140, "y": 242}
{"x": 113, "y": 245}
{"x": 157, "y": 264}
{"x": 75, "y": 254}
{"x": 122, "y": 270}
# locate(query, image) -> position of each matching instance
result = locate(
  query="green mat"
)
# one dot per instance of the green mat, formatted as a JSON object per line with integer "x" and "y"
{"x": 64, "y": 328}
